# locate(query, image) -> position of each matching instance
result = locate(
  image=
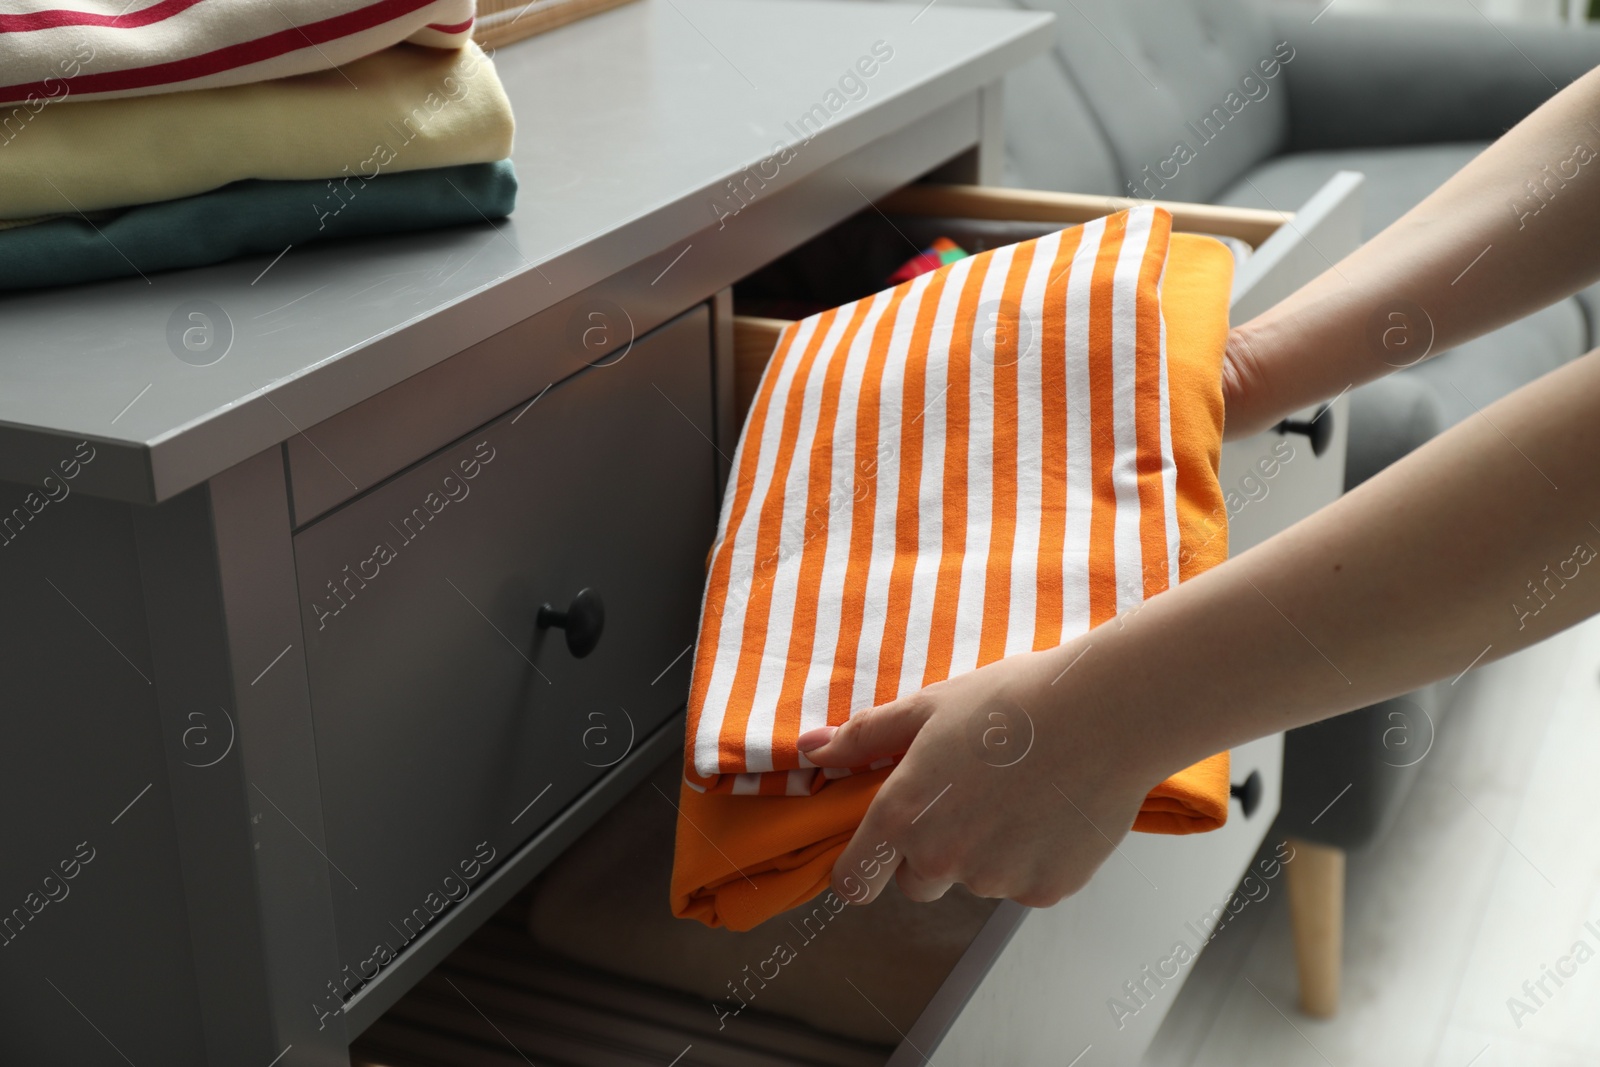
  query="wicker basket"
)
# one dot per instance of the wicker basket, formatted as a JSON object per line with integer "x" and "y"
{"x": 503, "y": 21}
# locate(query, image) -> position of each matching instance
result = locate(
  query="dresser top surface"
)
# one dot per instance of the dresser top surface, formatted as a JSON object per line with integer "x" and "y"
{"x": 629, "y": 123}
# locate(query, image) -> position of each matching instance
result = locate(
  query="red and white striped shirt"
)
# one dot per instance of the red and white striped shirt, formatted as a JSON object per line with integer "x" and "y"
{"x": 107, "y": 48}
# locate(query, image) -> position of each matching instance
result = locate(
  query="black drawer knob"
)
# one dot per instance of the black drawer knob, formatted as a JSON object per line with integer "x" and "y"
{"x": 584, "y": 620}
{"x": 1249, "y": 793}
{"x": 1319, "y": 428}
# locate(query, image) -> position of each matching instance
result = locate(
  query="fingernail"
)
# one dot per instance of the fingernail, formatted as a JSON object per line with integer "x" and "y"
{"x": 813, "y": 739}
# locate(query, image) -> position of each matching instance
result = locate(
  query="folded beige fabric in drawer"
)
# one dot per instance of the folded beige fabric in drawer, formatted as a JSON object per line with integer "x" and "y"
{"x": 405, "y": 108}
{"x": 861, "y": 972}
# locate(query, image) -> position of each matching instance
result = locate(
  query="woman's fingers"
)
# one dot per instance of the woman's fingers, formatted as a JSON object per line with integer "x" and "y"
{"x": 974, "y": 797}
{"x": 919, "y": 888}
{"x": 887, "y": 730}
{"x": 890, "y": 843}
{"x": 868, "y": 861}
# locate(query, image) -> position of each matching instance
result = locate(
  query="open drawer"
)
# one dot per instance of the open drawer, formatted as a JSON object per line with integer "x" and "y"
{"x": 599, "y": 981}
{"x": 1276, "y": 252}
{"x": 1019, "y": 999}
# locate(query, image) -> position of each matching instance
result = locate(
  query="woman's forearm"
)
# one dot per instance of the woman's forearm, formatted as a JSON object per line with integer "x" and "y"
{"x": 1512, "y": 232}
{"x": 1483, "y": 541}
{"x": 1480, "y": 543}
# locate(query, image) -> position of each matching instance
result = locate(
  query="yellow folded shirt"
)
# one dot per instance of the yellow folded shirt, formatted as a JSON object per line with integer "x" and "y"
{"x": 405, "y": 108}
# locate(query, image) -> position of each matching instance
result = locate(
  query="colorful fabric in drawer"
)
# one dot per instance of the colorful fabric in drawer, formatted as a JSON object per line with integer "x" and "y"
{"x": 943, "y": 251}
{"x": 406, "y": 108}
{"x": 101, "y": 48}
{"x": 250, "y": 217}
{"x": 991, "y": 458}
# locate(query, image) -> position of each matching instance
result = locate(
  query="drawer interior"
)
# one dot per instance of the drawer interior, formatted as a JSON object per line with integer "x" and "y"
{"x": 855, "y": 258}
{"x": 589, "y": 966}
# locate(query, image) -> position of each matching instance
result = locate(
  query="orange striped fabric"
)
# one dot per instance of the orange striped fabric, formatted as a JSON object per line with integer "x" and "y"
{"x": 978, "y": 462}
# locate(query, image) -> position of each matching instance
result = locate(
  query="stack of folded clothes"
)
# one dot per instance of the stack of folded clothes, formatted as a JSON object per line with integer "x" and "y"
{"x": 178, "y": 133}
{"x": 1065, "y": 472}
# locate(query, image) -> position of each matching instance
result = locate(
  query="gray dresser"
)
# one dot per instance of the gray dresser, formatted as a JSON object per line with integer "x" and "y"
{"x": 275, "y": 536}
{"x": 344, "y": 590}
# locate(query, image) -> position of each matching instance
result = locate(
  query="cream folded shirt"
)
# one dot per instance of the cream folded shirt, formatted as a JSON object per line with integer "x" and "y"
{"x": 405, "y": 108}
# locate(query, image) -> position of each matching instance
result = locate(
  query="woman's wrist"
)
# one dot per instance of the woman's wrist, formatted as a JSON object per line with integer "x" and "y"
{"x": 1247, "y": 399}
{"x": 1301, "y": 352}
{"x": 1088, "y": 695}
{"x": 1161, "y": 687}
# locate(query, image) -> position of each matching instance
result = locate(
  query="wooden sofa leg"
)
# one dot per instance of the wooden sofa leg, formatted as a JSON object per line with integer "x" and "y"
{"x": 1316, "y": 914}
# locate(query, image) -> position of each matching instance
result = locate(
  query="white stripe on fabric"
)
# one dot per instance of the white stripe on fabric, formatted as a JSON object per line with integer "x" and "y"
{"x": 1080, "y": 440}
{"x": 786, "y": 572}
{"x": 1169, "y": 465}
{"x": 981, "y": 402}
{"x": 930, "y": 495}
{"x": 891, "y": 414}
{"x": 1030, "y": 447}
{"x": 730, "y": 632}
{"x": 840, "y": 524}
{"x": 1128, "y": 545}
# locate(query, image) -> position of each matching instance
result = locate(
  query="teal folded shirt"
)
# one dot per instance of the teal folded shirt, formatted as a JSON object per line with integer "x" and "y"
{"x": 249, "y": 218}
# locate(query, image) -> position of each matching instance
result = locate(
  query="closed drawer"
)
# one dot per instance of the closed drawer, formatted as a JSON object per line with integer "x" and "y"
{"x": 1272, "y": 480}
{"x": 1103, "y": 967}
{"x": 449, "y": 724}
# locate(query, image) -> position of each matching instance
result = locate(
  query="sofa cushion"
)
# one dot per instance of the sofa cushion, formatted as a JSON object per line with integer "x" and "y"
{"x": 1160, "y": 75}
{"x": 1388, "y": 418}
{"x": 1460, "y": 76}
{"x": 1477, "y": 373}
{"x": 1397, "y": 179}
{"x": 1480, "y": 372}
{"x": 1053, "y": 141}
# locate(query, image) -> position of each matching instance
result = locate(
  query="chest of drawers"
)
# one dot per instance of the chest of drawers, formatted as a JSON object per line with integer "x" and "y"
{"x": 295, "y": 655}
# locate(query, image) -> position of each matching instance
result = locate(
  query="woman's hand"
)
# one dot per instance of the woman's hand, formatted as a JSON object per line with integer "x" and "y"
{"x": 1009, "y": 784}
{"x": 1018, "y": 778}
{"x": 1248, "y": 406}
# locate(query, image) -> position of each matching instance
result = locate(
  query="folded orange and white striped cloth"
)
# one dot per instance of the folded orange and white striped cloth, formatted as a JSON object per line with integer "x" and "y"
{"x": 106, "y": 48}
{"x": 990, "y": 458}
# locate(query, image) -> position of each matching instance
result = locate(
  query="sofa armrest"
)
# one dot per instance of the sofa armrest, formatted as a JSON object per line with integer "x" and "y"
{"x": 1374, "y": 80}
{"x": 1389, "y": 418}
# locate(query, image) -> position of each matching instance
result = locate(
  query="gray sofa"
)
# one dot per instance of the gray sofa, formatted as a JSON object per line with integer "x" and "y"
{"x": 1407, "y": 101}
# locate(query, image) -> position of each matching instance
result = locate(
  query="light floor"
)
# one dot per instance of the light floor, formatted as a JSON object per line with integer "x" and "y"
{"x": 1488, "y": 876}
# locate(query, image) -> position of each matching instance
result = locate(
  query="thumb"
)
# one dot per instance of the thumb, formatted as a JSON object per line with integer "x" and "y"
{"x": 886, "y": 730}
